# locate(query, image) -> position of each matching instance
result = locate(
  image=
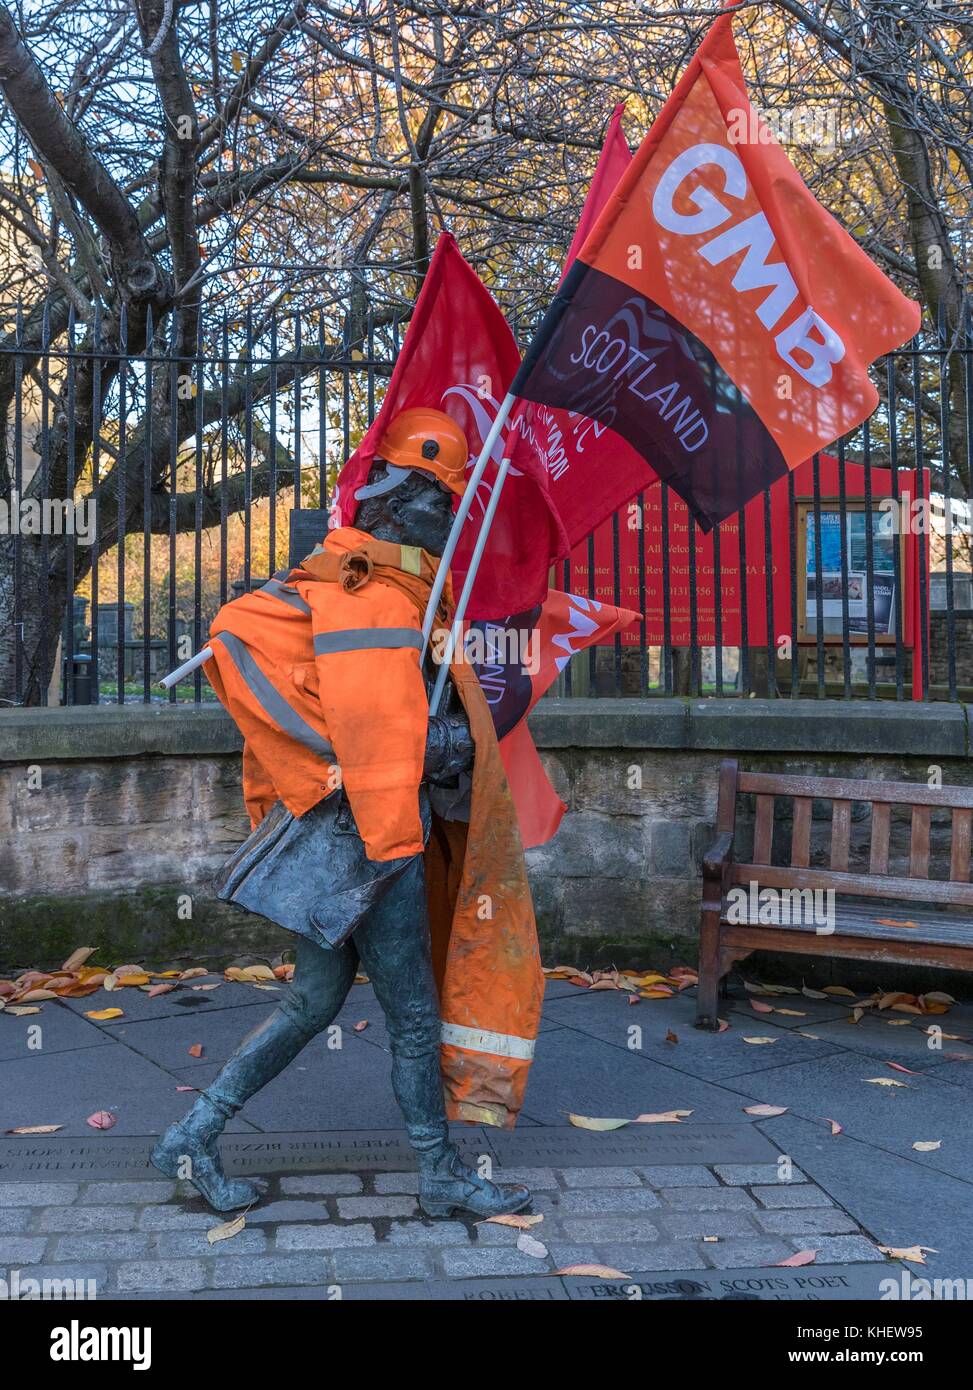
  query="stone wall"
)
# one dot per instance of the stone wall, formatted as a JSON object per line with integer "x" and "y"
{"x": 939, "y": 648}
{"x": 114, "y": 820}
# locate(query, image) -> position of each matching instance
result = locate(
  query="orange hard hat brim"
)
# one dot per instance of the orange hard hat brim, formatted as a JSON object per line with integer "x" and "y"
{"x": 454, "y": 479}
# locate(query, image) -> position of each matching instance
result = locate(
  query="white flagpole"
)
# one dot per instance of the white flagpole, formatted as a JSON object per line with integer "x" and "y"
{"x": 186, "y": 669}
{"x": 468, "y": 583}
{"x": 459, "y": 520}
{"x": 539, "y": 341}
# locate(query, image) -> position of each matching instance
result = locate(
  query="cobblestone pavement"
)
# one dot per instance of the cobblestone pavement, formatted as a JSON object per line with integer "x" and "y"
{"x": 333, "y": 1229}
{"x": 707, "y": 1208}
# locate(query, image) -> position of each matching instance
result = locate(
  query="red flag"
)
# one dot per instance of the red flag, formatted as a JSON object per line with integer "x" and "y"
{"x": 612, "y": 163}
{"x": 538, "y": 806}
{"x": 516, "y": 661}
{"x": 591, "y": 470}
{"x": 459, "y": 356}
{"x": 717, "y": 317}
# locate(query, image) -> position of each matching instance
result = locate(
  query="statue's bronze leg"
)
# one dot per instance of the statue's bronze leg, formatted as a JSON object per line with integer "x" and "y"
{"x": 393, "y": 944}
{"x": 189, "y": 1149}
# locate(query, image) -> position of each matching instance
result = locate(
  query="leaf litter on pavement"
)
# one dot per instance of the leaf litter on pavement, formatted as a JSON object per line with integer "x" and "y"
{"x": 645, "y": 984}
{"x": 76, "y": 979}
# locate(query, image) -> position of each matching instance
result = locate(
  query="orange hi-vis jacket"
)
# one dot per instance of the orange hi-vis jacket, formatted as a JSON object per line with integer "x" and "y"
{"x": 325, "y": 686}
{"x": 321, "y": 674}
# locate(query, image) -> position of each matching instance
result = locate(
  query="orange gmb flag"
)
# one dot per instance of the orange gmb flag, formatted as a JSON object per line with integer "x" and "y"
{"x": 717, "y": 318}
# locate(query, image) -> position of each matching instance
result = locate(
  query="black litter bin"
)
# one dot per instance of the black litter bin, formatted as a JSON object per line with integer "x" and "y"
{"x": 81, "y": 680}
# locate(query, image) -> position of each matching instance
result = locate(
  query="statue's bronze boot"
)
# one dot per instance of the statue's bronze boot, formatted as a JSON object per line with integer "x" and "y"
{"x": 189, "y": 1149}
{"x": 447, "y": 1184}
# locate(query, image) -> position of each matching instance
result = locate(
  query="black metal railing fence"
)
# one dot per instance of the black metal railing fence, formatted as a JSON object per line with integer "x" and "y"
{"x": 199, "y": 468}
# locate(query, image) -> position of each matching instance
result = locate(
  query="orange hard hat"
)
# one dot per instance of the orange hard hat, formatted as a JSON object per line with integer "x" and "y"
{"x": 429, "y": 440}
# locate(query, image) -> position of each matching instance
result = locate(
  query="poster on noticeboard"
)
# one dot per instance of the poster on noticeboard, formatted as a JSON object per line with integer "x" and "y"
{"x": 844, "y": 571}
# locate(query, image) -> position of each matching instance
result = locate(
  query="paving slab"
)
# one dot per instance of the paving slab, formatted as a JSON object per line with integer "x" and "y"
{"x": 698, "y": 1052}
{"x": 167, "y": 1041}
{"x": 652, "y": 1014}
{"x": 890, "y": 1117}
{"x": 362, "y": 1005}
{"x": 901, "y": 1201}
{"x": 888, "y": 1037}
{"x": 54, "y": 1029}
{"x": 323, "y": 1088}
{"x": 184, "y": 1001}
{"x": 574, "y": 1073}
{"x": 598, "y": 1209}
{"x": 810, "y": 1012}
{"x": 634, "y": 1146}
{"x": 65, "y": 1088}
{"x": 955, "y": 1070}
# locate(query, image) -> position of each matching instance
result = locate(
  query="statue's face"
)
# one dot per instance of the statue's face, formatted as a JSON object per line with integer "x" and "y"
{"x": 422, "y": 512}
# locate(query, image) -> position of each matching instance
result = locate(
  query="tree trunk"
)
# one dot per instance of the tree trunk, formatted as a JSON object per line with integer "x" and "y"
{"x": 29, "y": 642}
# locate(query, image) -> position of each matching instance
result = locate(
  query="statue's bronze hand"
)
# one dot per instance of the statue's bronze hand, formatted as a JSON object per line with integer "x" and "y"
{"x": 449, "y": 748}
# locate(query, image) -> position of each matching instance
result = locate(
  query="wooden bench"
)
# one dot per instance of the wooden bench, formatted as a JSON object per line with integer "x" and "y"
{"x": 939, "y": 911}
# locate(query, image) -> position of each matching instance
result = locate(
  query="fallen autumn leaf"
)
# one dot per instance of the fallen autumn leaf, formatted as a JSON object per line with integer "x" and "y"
{"x": 915, "y": 1254}
{"x": 529, "y": 1245}
{"x": 102, "y": 1119}
{"x": 227, "y": 1230}
{"x": 586, "y": 1122}
{"x": 663, "y": 1117}
{"x": 520, "y": 1223}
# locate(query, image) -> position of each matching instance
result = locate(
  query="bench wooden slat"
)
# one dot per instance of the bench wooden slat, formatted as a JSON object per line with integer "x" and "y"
{"x": 878, "y": 855}
{"x": 855, "y": 789}
{"x": 840, "y": 835}
{"x": 933, "y": 890}
{"x": 853, "y": 919}
{"x": 801, "y": 834}
{"x": 959, "y": 854}
{"x": 763, "y": 831}
{"x": 919, "y": 845}
{"x": 913, "y": 951}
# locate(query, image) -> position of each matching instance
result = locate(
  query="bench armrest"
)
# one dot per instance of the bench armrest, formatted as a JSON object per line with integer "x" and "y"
{"x": 718, "y": 856}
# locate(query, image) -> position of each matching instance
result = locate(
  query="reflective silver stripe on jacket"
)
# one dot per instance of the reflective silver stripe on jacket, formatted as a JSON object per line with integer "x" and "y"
{"x": 272, "y": 702}
{"x": 357, "y": 639}
{"x": 482, "y": 1040}
{"x": 275, "y": 589}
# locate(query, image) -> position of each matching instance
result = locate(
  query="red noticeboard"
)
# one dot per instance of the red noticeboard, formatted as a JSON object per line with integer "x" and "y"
{"x": 728, "y": 582}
